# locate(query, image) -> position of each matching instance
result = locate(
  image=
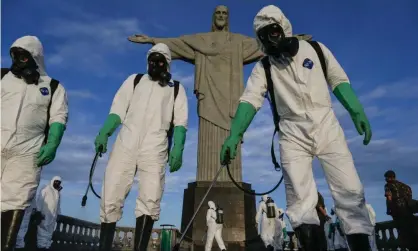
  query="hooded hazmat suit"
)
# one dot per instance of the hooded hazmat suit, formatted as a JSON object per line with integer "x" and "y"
{"x": 24, "y": 111}
{"x": 268, "y": 225}
{"x": 280, "y": 232}
{"x": 372, "y": 237}
{"x": 145, "y": 112}
{"x": 308, "y": 128}
{"x": 48, "y": 203}
{"x": 214, "y": 229}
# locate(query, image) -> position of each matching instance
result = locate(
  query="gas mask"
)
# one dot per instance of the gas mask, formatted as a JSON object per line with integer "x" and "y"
{"x": 276, "y": 43}
{"x": 24, "y": 66}
{"x": 158, "y": 68}
{"x": 57, "y": 185}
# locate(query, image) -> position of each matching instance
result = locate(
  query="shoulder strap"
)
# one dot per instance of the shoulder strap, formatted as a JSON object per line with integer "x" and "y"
{"x": 137, "y": 79}
{"x": 176, "y": 89}
{"x": 53, "y": 85}
{"x": 171, "y": 129}
{"x": 321, "y": 56}
{"x": 4, "y": 71}
{"x": 276, "y": 118}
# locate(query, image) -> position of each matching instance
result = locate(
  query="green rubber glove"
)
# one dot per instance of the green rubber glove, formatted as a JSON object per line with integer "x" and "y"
{"x": 240, "y": 123}
{"x": 48, "y": 151}
{"x": 111, "y": 124}
{"x": 176, "y": 154}
{"x": 349, "y": 100}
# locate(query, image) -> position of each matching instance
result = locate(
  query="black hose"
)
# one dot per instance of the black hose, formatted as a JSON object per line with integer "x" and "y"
{"x": 90, "y": 185}
{"x": 249, "y": 191}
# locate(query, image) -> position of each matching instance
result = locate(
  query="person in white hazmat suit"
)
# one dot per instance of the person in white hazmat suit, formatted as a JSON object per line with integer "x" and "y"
{"x": 372, "y": 237}
{"x": 20, "y": 241}
{"x": 145, "y": 111}
{"x": 268, "y": 225}
{"x": 280, "y": 233}
{"x": 338, "y": 235}
{"x": 327, "y": 228}
{"x": 48, "y": 203}
{"x": 36, "y": 109}
{"x": 308, "y": 127}
{"x": 214, "y": 229}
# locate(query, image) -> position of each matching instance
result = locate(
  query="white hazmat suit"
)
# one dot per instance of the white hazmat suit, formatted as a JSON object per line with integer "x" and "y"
{"x": 48, "y": 203}
{"x": 214, "y": 229}
{"x": 24, "y": 118}
{"x": 20, "y": 241}
{"x": 327, "y": 225}
{"x": 141, "y": 144}
{"x": 280, "y": 228}
{"x": 268, "y": 225}
{"x": 372, "y": 237}
{"x": 308, "y": 128}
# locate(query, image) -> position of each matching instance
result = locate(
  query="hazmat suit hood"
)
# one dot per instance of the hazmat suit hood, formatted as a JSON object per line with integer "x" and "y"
{"x": 211, "y": 204}
{"x": 268, "y": 15}
{"x": 264, "y": 197}
{"x": 56, "y": 178}
{"x": 35, "y": 48}
{"x": 164, "y": 50}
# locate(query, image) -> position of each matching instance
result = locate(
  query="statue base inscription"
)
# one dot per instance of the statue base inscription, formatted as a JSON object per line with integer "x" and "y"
{"x": 239, "y": 214}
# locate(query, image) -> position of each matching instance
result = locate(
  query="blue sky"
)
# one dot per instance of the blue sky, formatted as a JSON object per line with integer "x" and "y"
{"x": 86, "y": 48}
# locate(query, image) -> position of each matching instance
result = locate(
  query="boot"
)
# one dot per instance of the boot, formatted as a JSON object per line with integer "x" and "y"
{"x": 358, "y": 242}
{"x": 107, "y": 232}
{"x": 306, "y": 234}
{"x": 10, "y": 225}
{"x": 143, "y": 231}
{"x": 270, "y": 248}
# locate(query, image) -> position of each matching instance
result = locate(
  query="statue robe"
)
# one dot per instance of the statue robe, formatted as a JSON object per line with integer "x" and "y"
{"x": 219, "y": 58}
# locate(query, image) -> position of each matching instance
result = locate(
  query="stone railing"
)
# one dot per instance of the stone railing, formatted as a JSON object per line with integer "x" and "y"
{"x": 72, "y": 234}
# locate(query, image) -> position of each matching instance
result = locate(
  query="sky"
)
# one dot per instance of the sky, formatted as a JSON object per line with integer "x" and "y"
{"x": 86, "y": 48}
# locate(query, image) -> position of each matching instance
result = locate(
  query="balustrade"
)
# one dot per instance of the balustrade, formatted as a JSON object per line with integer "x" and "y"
{"x": 72, "y": 234}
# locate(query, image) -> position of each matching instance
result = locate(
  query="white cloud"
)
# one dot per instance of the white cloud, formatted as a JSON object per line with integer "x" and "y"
{"x": 83, "y": 94}
{"x": 90, "y": 41}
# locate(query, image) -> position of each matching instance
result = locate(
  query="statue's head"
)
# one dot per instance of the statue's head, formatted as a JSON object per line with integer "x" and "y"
{"x": 220, "y": 19}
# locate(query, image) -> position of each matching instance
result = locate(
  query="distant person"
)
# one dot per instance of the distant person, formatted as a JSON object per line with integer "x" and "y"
{"x": 48, "y": 203}
{"x": 281, "y": 232}
{"x": 398, "y": 200}
{"x": 372, "y": 237}
{"x": 323, "y": 218}
{"x": 215, "y": 226}
{"x": 268, "y": 222}
{"x": 338, "y": 235}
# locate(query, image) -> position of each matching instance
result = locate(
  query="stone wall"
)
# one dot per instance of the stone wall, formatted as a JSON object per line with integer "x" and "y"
{"x": 72, "y": 234}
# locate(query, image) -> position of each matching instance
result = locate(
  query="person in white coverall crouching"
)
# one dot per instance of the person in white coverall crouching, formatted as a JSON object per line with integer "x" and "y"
{"x": 214, "y": 229}
{"x": 149, "y": 107}
{"x": 372, "y": 237}
{"x": 268, "y": 225}
{"x": 48, "y": 203}
{"x": 35, "y": 111}
{"x": 300, "y": 74}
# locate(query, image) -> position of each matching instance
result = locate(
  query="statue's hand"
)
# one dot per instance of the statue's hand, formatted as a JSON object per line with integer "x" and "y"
{"x": 141, "y": 39}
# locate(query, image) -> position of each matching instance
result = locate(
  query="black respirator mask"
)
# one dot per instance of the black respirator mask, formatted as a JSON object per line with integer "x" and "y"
{"x": 158, "y": 68}
{"x": 57, "y": 185}
{"x": 276, "y": 43}
{"x": 24, "y": 66}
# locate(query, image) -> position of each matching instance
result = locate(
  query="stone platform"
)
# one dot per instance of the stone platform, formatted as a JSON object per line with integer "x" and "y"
{"x": 239, "y": 213}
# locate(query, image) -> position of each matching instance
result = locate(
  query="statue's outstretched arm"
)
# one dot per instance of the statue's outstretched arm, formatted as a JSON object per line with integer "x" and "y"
{"x": 251, "y": 51}
{"x": 179, "y": 49}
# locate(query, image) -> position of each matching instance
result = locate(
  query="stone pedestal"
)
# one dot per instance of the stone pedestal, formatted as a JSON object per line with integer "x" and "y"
{"x": 239, "y": 213}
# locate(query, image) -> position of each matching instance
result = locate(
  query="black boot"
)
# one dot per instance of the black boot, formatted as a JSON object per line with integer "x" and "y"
{"x": 10, "y": 225}
{"x": 107, "y": 233}
{"x": 270, "y": 248}
{"x": 307, "y": 236}
{"x": 358, "y": 242}
{"x": 143, "y": 231}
